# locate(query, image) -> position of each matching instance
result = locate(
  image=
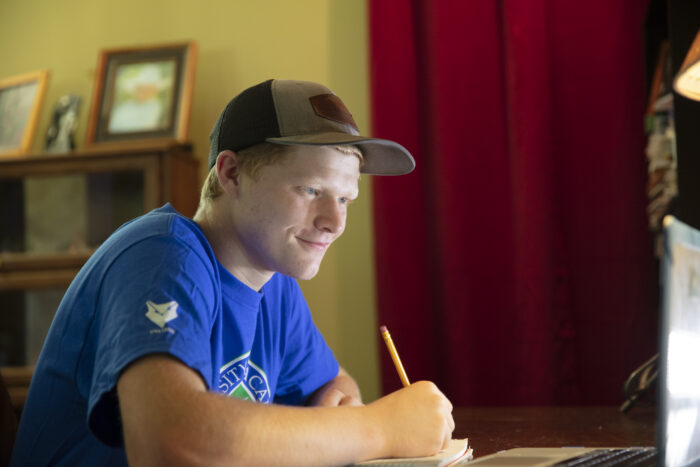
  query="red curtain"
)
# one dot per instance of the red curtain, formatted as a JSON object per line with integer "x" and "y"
{"x": 514, "y": 265}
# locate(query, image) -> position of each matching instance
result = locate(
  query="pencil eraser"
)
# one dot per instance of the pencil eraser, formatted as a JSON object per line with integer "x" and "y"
{"x": 383, "y": 328}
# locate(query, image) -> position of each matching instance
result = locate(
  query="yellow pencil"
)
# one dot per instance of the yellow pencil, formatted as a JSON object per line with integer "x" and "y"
{"x": 394, "y": 355}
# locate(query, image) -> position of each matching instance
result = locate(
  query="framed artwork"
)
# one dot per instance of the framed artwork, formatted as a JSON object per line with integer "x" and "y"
{"x": 21, "y": 98}
{"x": 142, "y": 94}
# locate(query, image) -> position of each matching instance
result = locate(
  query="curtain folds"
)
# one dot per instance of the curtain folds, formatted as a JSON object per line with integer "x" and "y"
{"x": 514, "y": 264}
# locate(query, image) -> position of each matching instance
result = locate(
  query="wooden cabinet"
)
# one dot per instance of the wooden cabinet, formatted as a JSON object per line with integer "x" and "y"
{"x": 55, "y": 209}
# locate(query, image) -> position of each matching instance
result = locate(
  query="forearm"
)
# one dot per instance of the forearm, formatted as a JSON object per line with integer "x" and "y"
{"x": 169, "y": 418}
{"x": 347, "y": 384}
{"x": 187, "y": 425}
{"x": 282, "y": 435}
{"x": 341, "y": 390}
{"x": 214, "y": 430}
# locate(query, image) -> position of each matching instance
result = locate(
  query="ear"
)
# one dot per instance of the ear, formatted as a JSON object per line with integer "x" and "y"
{"x": 228, "y": 172}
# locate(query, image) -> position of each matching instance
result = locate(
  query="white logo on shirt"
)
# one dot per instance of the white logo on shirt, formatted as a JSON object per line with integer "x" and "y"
{"x": 161, "y": 313}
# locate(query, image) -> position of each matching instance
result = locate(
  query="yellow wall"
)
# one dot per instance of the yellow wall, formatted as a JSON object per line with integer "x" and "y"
{"x": 240, "y": 43}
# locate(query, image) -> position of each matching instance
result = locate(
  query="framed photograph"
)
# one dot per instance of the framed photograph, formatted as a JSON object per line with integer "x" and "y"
{"x": 21, "y": 98}
{"x": 141, "y": 94}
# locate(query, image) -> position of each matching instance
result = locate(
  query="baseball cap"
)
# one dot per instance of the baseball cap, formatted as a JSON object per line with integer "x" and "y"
{"x": 300, "y": 113}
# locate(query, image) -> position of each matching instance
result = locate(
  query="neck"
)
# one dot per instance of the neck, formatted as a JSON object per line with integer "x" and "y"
{"x": 218, "y": 227}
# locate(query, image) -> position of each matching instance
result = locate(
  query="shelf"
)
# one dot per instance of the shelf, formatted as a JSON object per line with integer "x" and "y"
{"x": 28, "y": 262}
{"x": 17, "y": 379}
{"x": 170, "y": 171}
{"x": 109, "y": 158}
{"x": 20, "y": 271}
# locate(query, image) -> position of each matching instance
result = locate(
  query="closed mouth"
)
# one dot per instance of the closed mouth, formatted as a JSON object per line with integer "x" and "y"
{"x": 316, "y": 245}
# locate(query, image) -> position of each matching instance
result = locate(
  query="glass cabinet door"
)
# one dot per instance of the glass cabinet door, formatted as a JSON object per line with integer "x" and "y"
{"x": 55, "y": 210}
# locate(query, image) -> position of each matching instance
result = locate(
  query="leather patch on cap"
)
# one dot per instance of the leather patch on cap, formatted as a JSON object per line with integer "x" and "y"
{"x": 331, "y": 107}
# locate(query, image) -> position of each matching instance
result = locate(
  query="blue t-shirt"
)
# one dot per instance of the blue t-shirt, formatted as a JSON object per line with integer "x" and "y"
{"x": 155, "y": 286}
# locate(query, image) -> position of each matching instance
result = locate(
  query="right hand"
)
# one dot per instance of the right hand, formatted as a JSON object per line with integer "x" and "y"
{"x": 415, "y": 421}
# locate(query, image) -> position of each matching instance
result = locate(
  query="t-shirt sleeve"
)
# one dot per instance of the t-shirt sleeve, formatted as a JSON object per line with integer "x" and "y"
{"x": 308, "y": 362}
{"x": 156, "y": 297}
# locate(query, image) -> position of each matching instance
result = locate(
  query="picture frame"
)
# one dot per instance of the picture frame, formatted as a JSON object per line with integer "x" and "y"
{"x": 142, "y": 94}
{"x": 21, "y": 100}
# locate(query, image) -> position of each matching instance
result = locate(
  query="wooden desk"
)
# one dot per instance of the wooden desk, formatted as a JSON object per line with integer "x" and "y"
{"x": 493, "y": 429}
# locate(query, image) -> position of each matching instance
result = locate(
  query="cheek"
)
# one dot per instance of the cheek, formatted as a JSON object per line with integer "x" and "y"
{"x": 278, "y": 214}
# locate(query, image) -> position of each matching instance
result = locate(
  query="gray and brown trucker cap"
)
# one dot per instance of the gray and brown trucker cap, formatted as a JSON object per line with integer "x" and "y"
{"x": 300, "y": 112}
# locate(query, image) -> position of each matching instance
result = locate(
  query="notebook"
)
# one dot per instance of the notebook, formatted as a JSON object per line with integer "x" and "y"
{"x": 457, "y": 453}
{"x": 678, "y": 424}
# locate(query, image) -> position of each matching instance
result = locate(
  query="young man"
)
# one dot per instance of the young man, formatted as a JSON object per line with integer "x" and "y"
{"x": 187, "y": 341}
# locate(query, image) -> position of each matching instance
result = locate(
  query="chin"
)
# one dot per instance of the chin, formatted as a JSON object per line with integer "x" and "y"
{"x": 303, "y": 274}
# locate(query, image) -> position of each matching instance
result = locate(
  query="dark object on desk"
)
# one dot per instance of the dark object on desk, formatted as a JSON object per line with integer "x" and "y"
{"x": 639, "y": 384}
{"x": 570, "y": 457}
{"x": 639, "y": 457}
{"x": 60, "y": 137}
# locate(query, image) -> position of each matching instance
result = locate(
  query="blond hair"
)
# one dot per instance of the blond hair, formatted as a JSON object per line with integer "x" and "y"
{"x": 250, "y": 160}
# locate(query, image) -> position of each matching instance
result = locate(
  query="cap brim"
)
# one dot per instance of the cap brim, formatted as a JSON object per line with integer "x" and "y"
{"x": 381, "y": 156}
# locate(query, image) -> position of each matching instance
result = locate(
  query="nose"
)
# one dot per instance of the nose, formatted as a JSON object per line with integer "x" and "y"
{"x": 330, "y": 216}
